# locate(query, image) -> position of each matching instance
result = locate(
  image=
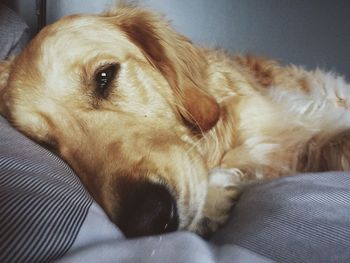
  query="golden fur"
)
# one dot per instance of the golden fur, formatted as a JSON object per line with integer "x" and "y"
{"x": 174, "y": 112}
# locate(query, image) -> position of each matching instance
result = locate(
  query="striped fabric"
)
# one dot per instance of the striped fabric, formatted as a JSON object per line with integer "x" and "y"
{"x": 303, "y": 218}
{"x": 42, "y": 202}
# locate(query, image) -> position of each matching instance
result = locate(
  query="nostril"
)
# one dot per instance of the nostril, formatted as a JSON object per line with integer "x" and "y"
{"x": 147, "y": 209}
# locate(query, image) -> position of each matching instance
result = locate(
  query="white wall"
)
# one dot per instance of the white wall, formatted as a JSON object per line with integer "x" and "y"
{"x": 59, "y": 8}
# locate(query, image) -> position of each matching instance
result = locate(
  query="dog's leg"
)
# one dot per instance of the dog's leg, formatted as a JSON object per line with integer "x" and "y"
{"x": 225, "y": 186}
{"x": 335, "y": 155}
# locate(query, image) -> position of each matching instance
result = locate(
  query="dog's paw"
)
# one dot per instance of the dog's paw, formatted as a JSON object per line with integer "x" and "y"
{"x": 225, "y": 186}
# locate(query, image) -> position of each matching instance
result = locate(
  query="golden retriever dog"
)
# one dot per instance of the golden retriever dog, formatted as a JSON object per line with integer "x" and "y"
{"x": 143, "y": 116}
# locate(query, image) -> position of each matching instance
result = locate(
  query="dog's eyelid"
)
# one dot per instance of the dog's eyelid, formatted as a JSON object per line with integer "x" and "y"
{"x": 105, "y": 65}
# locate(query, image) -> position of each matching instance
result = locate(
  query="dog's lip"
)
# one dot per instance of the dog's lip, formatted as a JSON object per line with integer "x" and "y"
{"x": 172, "y": 218}
{"x": 174, "y": 208}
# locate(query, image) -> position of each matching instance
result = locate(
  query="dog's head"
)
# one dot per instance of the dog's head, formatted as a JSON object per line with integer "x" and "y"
{"x": 118, "y": 96}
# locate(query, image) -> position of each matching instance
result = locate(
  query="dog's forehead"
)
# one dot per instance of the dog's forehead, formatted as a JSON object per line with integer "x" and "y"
{"x": 80, "y": 37}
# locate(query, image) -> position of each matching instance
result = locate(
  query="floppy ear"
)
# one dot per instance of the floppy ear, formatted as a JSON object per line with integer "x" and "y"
{"x": 5, "y": 67}
{"x": 183, "y": 65}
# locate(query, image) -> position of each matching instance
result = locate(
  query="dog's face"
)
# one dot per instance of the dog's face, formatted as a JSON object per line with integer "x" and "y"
{"x": 114, "y": 96}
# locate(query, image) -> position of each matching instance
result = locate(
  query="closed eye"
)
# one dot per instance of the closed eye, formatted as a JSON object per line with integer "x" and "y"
{"x": 103, "y": 79}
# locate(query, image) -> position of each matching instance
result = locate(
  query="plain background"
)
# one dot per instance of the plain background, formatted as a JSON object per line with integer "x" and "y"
{"x": 312, "y": 33}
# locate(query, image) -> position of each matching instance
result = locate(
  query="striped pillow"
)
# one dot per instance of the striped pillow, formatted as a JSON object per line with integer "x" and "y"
{"x": 42, "y": 202}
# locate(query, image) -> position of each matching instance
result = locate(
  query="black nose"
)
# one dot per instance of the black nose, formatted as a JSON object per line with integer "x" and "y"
{"x": 147, "y": 209}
